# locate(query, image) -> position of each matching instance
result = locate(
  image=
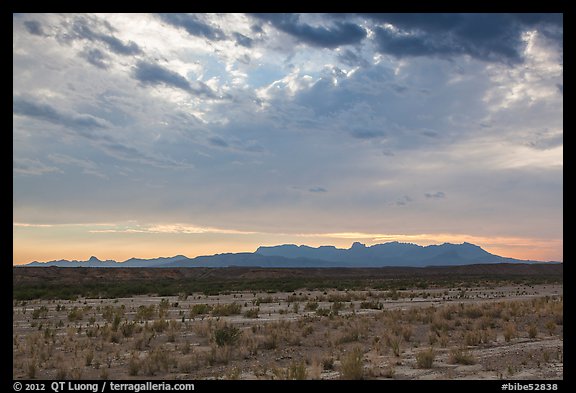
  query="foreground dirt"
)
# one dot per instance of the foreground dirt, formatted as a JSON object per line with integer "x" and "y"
{"x": 486, "y": 332}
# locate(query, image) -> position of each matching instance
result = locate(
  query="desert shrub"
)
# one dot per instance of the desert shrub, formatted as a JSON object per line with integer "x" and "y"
{"x": 200, "y": 309}
{"x": 337, "y": 306}
{"x": 328, "y": 364}
{"x": 532, "y": 331}
{"x": 308, "y": 330}
{"x": 157, "y": 360}
{"x": 251, "y": 313}
{"x": 75, "y": 315}
{"x": 461, "y": 356}
{"x": 425, "y": 359}
{"x": 88, "y": 358}
{"x": 128, "y": 329}
{"x": 353, "y": 365}
{"x": 551, "y": 327}
{"x": 406, "y": 333}
{"x": 226, "y": 335}
{"x": 311, "y": 306}
{"x": 219, "y": 355}
{"x": 339, "y": 298}
{"x": 371, "y": 305}
{"x": 510, "y": 331}
{"x": 159, "y": 325}
{"x": 348, "y": 337}
{"x": 394, "y": 344}
{"x": 267, "y": 299}
{"x": 221, "y": 310}
{"x": 473, "y": 338}
{"x": 31, "y": 370}
{"x": 297, "y": 371}
{"x": 163, "y": 308}
{"x": 41, "y": 312}
{"x": 296, "y": 308}
{"x": 323, "y": 312}
{"x": 145, "y": 313}
{"x": 296, "y": 298}
{"x": 116, "y": 322}
{"x": 473, "y": 312}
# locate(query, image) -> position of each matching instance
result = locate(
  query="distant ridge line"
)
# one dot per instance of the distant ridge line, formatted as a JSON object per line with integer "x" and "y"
{"x": 392, "y": 254}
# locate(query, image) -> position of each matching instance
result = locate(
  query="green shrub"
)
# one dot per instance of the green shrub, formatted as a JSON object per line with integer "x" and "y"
{"x": 41, "y": 312}
{"x": 145, "y": 313}
{"x": 75, "y": 315}
{"x": 226, "y": 335}
{"x": 200, "y": 309}
{"x": 221, "y": 310}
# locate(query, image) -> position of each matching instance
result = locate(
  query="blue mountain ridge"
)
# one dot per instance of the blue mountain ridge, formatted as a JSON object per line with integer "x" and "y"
{"x": 290, "y": 255}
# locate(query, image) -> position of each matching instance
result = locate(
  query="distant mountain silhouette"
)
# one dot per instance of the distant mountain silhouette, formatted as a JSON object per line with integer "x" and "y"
{"x": 290, "y": 255}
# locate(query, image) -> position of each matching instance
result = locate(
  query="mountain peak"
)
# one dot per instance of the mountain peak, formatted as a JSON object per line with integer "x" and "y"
{"x": 357, "y": 246}
{"x": 94, "y": 259}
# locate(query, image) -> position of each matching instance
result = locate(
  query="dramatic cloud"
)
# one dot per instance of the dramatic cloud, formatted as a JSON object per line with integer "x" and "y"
{"x": 193, "y": 25}
{"x": 489, "y": 37}
{"x": 337, "y": 34}
{"x": 81, "y": 29}
{"x": 204, "y": 133}
{"x": 26, "y": 107}
{"x": 34, "y": 27}
{"x": 154, "y": 74}
{"x": 95, "y": 57}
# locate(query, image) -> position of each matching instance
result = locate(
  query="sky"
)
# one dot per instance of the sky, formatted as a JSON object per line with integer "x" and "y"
{"x": 148, "y": 135}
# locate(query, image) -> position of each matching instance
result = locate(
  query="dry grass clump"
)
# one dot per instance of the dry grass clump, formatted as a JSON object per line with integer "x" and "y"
{"x": 461, "y": 355}
{"x": 510, "y": 331}
{"x": 425, "y": 358}
{"x": 352, "y": 366}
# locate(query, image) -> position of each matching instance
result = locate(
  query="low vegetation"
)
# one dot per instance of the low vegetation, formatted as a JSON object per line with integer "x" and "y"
{"x": 365, "y": 333}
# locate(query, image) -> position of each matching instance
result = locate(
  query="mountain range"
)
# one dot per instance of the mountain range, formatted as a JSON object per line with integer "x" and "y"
{"x": 290, "y": 255}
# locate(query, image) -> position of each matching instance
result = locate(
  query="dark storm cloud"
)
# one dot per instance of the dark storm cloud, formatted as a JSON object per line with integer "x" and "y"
{"x": 241, "y": 39}
{"x": 27, "y": 107}
{"x": 488, "y": 37}
{"x": 154, "y": 74}
{"x": 193, "y": 26}
{"x": 95, "y": 57}
{"x": 33, "y": 27}
{"x": 340, "y": 33}
{"x": 82, "y": 30}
